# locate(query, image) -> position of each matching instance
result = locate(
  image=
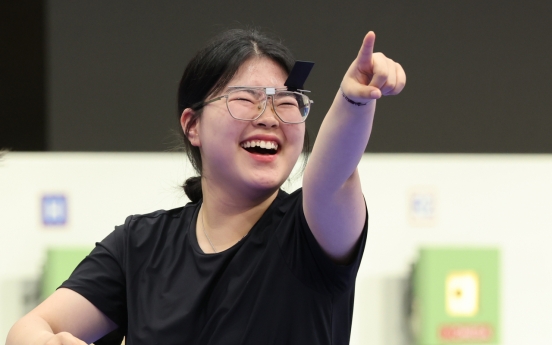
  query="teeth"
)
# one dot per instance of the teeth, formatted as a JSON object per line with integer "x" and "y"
{"x": 260, "y": 143}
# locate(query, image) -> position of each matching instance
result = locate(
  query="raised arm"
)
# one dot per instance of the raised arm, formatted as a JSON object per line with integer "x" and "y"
{"x": 64, "y": 318}
{"x": 332, "y": 197}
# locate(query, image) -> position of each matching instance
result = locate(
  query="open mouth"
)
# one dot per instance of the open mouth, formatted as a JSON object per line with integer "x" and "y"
{"x": 260, "y": 147}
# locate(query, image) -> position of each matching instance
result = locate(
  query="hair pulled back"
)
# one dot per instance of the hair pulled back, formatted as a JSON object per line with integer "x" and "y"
{"x": 210, "y": 70}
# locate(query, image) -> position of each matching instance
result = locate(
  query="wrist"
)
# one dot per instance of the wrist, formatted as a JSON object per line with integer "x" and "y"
{"x": 358, "y": 104}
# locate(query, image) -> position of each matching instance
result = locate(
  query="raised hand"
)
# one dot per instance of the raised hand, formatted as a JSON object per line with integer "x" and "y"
{"x": 333, "y": 202}
{"x": 372, "y": 75}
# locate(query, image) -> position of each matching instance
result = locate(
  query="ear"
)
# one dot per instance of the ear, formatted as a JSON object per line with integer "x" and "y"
{"x": 193, "y": 133}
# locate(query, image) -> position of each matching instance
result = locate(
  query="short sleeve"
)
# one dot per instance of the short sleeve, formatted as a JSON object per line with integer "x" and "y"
{"x": 100, "y": 277}
{"x": 307, "y": 259}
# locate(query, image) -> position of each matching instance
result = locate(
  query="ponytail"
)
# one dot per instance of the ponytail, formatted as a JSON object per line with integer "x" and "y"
{"x": 192, "y": 188}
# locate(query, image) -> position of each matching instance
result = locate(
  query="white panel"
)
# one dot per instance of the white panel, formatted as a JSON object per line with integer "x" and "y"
{"x": 501, "y": 200}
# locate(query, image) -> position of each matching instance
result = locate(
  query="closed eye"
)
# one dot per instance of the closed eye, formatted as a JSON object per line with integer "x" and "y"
{"x": 286, "y": 103}
{"x": 242, "y": 100}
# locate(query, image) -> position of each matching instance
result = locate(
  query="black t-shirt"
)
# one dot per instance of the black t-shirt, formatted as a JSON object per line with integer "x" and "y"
{"x": 275, "y": 286}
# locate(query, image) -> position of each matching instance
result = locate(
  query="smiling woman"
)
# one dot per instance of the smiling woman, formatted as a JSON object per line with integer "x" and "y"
{"x": 243, "y": 262}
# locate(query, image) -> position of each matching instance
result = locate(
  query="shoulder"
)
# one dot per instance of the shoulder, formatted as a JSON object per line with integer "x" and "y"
{"x": 159, "y": 222}
{"x": 160, "y": 215}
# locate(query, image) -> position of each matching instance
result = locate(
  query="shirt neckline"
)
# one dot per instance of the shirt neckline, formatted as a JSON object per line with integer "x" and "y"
{"x": 193, "y": 235}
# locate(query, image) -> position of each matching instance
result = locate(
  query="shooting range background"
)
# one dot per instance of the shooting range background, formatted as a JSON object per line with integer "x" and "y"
{"x": 102, "y": 76}
{"x": 476, "y": 201}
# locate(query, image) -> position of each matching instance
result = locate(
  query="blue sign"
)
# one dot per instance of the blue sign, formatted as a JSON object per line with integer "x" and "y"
{"x": 54, "y": 210}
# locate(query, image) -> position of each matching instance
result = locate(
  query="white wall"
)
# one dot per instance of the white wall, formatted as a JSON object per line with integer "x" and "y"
{"x": 501, "y": 200}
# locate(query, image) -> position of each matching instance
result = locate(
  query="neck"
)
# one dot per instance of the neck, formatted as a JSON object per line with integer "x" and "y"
{"x": 227, "y": 216}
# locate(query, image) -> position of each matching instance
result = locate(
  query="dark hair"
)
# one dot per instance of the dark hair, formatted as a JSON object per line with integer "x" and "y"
{"x": 210, "y": 70}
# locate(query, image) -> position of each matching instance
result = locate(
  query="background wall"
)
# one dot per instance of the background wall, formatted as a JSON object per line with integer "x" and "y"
{"x": 478, "y": 73}
{"x": 476, "y": 200}
{"x": 23, "y": 75}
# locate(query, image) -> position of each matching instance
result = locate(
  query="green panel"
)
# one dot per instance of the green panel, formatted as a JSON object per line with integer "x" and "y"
{"x": 456, "y": 296}
{"x": 60, "y": 263}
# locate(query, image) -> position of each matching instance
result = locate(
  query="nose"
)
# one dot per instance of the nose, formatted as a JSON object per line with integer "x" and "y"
{"x": 268, "y": 118}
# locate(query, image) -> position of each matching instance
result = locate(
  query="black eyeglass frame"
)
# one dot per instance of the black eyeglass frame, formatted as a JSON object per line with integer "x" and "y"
{"x": 270, "y": 91}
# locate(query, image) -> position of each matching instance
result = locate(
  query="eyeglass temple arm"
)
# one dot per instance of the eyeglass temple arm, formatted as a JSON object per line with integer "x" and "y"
{"x": 200, "y": 105}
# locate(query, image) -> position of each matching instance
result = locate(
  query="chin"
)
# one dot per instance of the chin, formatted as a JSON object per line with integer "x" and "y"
{"x": 266, "y": 183}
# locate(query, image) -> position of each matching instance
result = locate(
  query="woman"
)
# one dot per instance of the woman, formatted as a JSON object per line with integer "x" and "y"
{"x": 244, "y": 262}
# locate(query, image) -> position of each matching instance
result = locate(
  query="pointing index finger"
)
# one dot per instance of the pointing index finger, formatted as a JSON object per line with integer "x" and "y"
{"x": 366, "y": 50}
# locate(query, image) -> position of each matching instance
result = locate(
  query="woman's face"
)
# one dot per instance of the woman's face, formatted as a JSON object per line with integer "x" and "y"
{"x": 224, "y": 141}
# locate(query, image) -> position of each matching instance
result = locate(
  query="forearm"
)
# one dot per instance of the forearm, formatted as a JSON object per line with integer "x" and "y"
{"x": 29, "y": 330}
{"x": 340, "y": 143}
{"x": 64, "y": 318}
